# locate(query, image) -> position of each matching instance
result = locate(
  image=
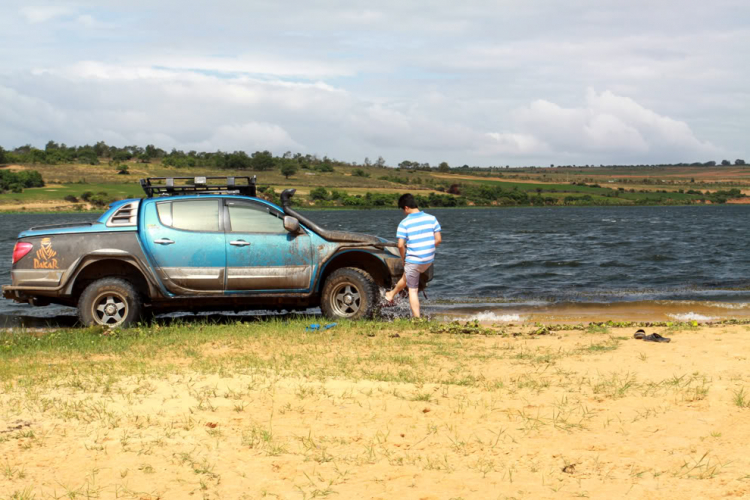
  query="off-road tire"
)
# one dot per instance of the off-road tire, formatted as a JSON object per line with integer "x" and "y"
{"x": 110, "y": 302}
{"x": 349, "y": 293}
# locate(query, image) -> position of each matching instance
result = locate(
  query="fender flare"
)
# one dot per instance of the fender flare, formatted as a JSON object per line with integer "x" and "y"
{"x": 335, "y": 256}
{"x": 87, "y": 260}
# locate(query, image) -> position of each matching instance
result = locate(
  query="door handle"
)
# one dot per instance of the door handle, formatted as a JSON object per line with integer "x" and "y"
{"x": 239, "y": 243}
{"x": 164, "y": 241}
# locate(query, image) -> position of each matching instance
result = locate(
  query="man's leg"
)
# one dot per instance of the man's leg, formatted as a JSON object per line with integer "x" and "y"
{"x": 389, "y": 296}
{"x": 414, "y": 301}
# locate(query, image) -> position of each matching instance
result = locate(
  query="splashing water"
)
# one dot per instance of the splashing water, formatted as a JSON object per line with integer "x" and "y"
{"x": 488, "y": 316}
{"x": 691, "y": 316}
{"x": 399, "y": 310}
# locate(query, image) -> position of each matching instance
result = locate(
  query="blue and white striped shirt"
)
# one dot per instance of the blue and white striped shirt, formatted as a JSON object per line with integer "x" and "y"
{"x": 418, "y": 229}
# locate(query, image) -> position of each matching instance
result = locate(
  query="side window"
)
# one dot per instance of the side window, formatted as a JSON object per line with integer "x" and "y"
{"x": 248, "y": 218}
{"x": 193, "y": 215}
{"x": 165, "y": 212}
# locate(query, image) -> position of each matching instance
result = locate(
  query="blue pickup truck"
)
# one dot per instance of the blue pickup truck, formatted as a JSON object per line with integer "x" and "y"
{"x": 194, "y": 245}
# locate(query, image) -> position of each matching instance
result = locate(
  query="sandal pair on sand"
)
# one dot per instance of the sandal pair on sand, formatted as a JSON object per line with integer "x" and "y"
{"x": 654, "y": 337}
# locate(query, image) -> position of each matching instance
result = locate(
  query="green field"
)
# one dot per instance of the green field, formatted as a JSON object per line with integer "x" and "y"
{"x": 562, "y": 190}
{"x": 550, "y": 186}
{"x": 60, "y": 191}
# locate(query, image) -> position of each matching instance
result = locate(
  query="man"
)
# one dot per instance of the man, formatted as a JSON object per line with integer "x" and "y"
{"x": 419, "y": 234}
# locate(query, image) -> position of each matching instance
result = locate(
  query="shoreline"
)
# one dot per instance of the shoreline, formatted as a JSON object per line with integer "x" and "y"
{"x": 660, "y": 311}
{"x": 554, "y": 317}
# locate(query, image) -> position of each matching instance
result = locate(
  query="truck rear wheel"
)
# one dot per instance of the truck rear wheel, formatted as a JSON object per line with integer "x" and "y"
{"x": 109, "y": 302}
{"x": 349, "y": 293}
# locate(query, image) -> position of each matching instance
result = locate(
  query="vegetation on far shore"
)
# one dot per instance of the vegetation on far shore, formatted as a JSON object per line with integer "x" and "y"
{"x": 90, "y": 177}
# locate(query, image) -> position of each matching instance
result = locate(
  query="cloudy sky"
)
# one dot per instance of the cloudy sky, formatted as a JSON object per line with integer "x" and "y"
{"x": 507, "y": 82}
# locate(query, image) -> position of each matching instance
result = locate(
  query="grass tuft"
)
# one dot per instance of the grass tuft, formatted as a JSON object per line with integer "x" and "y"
{"x": 741, "y": 399}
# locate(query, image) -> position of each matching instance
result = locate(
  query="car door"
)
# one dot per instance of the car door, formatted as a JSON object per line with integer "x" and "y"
{"x": 262, "y": 256}
{"x": 185, "y": 240}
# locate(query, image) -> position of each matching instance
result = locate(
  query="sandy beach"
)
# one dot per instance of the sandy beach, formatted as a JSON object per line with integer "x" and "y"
{"x": 376, "y": 411}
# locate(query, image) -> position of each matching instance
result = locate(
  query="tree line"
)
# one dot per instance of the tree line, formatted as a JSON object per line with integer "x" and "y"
{"x": 54, "y": 153}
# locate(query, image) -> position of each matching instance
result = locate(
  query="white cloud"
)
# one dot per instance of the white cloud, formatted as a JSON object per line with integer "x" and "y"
{"x": 259, "y": 64}
{"x": 612, "y": 124}
{"x": 470, "y": 82}
{"x": 365, "y": 16}
{"x": 84, "y": 103}
{"x": 40, "y": 14}
{"x": 87, "y": 20}
{"x": 512, "y": 144}
{"x": 93, "y": 70}
{"x": 90, "y": 101}
{"x": 251, "y": 136}
{"x": 408, "y": 128}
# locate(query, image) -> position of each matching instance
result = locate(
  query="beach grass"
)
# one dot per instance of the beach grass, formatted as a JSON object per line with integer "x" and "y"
{"x": 264, "y": 408}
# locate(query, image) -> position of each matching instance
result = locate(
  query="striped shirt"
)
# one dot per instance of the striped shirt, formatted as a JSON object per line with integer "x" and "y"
{"x": 418, "y": 229}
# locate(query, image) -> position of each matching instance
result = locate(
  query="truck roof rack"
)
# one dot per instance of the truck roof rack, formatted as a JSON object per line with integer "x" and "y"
{"x": 166, "y": 186}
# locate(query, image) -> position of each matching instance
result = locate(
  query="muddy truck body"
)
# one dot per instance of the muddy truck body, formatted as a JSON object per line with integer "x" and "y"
{"x": 197, "y": 246}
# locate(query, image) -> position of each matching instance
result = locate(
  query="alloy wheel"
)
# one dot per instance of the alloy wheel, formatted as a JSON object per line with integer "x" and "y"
{"x": 346, "y": 299}
{"x": 109, "y": 309}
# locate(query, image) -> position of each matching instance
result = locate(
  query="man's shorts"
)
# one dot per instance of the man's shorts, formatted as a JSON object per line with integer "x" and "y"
{"x": 412, "y": 272}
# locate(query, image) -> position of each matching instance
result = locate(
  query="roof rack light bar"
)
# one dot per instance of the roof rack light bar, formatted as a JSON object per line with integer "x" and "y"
{"x": 166, "y": 186}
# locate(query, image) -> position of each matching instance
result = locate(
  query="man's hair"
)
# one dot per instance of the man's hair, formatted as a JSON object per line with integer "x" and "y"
{"x": 407, "y": 200}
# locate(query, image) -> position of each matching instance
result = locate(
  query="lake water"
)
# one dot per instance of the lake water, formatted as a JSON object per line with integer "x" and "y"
{"x": 565, "y": 263}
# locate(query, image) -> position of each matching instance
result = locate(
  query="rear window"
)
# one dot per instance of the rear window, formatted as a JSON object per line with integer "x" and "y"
{"x": 192, "y": 215}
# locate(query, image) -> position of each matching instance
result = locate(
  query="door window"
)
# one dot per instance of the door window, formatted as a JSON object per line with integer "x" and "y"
{"x": 192, "y": 215}
{"x": 165, "y": 213}
{"x": 248, "y": 218}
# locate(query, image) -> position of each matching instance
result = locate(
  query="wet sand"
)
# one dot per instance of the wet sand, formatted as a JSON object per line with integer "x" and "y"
{"x": 574, "y": 313}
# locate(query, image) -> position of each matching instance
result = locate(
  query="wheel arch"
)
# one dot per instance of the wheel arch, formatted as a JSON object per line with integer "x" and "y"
{"x": 360, "y": 259}
{"x": 94, "y": 268}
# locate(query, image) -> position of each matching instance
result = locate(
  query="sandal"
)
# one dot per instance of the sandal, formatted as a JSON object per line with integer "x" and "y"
{"x": 315, "y": 327}
{"x": 639, "y": 334}
{"x": 655, "y": 337}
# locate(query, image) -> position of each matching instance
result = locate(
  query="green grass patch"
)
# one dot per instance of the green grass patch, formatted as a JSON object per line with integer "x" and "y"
{"x": 600, "y": 195}
{"x": 59, "y": 192}
{"x": 358, "y": 350}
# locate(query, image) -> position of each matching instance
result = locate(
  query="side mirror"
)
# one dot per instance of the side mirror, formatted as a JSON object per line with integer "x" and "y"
{"x": 291, "y": 224}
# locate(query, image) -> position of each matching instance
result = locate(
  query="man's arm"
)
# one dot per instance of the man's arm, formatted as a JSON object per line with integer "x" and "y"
{"x": 402, "y": 248}
{"x": 438, "y": 239}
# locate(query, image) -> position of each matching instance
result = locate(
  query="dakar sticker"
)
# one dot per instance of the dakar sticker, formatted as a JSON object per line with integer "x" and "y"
{"x": 45, "y": 256}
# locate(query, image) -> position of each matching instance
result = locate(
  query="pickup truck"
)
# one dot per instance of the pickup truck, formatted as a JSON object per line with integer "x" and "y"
{"x": 193, "y": 245}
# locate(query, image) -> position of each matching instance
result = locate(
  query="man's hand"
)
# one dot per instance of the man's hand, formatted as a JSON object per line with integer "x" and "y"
{"x": 438, "y": 239}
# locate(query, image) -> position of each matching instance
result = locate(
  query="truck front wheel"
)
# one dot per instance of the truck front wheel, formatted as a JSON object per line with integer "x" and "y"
{"x": 109, "y": 302}
{"x": 349, "y": 293}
